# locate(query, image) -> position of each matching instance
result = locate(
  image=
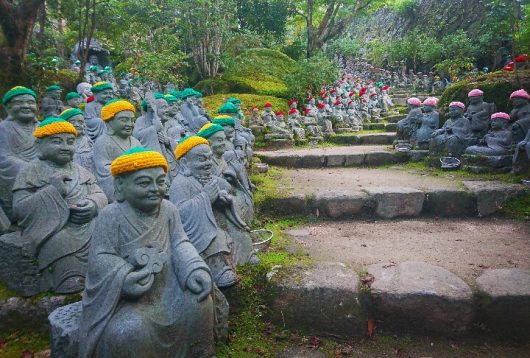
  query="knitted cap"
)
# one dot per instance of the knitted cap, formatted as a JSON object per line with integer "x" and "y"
{"x": 430, "y": 101}
{"x": 69, "y": 113}
{"x": 228, "y": 108}
{"x": 293, "y": 111}
{"x": 111, "y": 108}
{"x": 224, "y": 121}
{"x": 234, "y": 100}
{"x": 17, "y": 91}
{"x": 53, "y": 125}
{"x": 188, "y": 143}
{"x": 475, "y": 93}
{"x": 176, "y": 94}
{"x": 137, "y": 158}
{"x": 520, "y": 94}
{"x": 101, "y": 86}
{"x": 501, "y": 115}
{"x": 170, "y": 99}
{"x": 457, "y": 104}
{"x": 321, "y": 105}
{"x": 209, "y": 129}
{"x": 72, "y": 95}
{"x": 279, "y": 113}
{"x": 188, "y": 92}
{"x": 414, "y": 101}
{"x": 54, "y": 88}
{"x": 292, "y": 101}
{"x": 267, "y": 105}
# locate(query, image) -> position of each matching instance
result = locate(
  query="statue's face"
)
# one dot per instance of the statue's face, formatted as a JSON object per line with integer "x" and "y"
{"x": 293, "y": 105}
{"x": 55, "y": 94}
{"x": 122, "y": 124}
{"x": 104, "y": 96}
{"x": 74, "y": 102}
{"x": 229, "y": 132}
{"x": 162, "y": 110}
{"x": 190, "y": 99}
{"x": 22, "y": 108}
{"x": 498, "y": 124}
{"x": 58, "y": 148}
{"x": 455, "y": 112}
{"x": 218, "y": 143}
{"x": 427, "y": 108}
{"x": 519, "y": 102}
{"x": 84, "y": 88}
{"x": 173, "y": 109}
{"x": 268, "y": 109}
{"x": 199, "y": 161}
{"x": 143, "y": 189}
{"x": 476, "y": 100}
{"x": 93, "y": 60}
{"x": 79, "y": 124}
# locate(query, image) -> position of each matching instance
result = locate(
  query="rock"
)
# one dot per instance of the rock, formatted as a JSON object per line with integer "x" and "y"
{"x": 64, "y": 323}
{"x": 335, "y": 160}
{"x": 505, "y": 302}
{"x": 311, "y": 161}
{"x": 335, "y": 205}
{"x": 417, "y": 155}
{"x": 416, "y": 297}
{"x": 323, "y": 299}
{"x": 280, "y": 143}
{"x": 303, "y": 232}
{"x": 378, "y": 138}
{"x": 491, "y": 195}
{"x": 396, "y": 201}
{"x": 379, "y": 158}
{"x": 353, "y": 160}
{"x": 450, "y": 203}
{"x": 296, "y": 203}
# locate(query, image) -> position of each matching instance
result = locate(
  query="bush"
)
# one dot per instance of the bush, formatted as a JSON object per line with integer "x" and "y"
{"x": 248, "y": 101}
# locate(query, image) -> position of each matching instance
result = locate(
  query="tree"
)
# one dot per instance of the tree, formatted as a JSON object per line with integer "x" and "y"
{"x": 328, "y": 19}
{"x": 265, "y": 17}
{"x": 17, "y": 22}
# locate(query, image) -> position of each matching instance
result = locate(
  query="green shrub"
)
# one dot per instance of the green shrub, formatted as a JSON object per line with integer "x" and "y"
{"x": 248, "y": 101}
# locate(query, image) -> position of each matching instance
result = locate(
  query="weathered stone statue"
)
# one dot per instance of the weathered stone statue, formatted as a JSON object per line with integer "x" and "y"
{"x": 195, "y": 191}
{"x": 51, "y": 102}
{"x": 452, "y": 138}
{"x": 54, "y": 202}
{"x": 85, "y": 90}
{"x": 233, "y": 217}
{"x": 94, "y": 122}
{"x": 119, "y": 119}
{"x": 479, "y": 113}
{"x": 273, "y": 125}
{"x": 294, "y": 124}
{"x": 373, "y": 107}
{"x": 174, "y": 127}
{"x": 17, "y": 143}
{"x": 243, "y": 137}
{"x": 520, "y": 115}
{"x": 148, "y": 291}
{"x": 189, "y": 111}
{"x": 498, "y": 140}
{"x": 323, "y": 120}
{"x": 521, "y": 157}
{"x": 84, "y": 146}
{"x": 73, "y": 100}
{"x": 407, "y": 127}
{"x": 430, "y": 121}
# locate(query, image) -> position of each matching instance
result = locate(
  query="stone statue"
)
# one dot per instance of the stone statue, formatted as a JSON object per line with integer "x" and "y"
{"x": 273, "y": 125}
{"x": 148, "y": 291}
{"x": 295, "y": 125}
{"x": 190, "y": 113}
{"x": 386, "y": 101}
{"x": 453, "y": 136}
{"x": 195, "y": 191}
{"x": 521, "y": 157}
{"x": 498, "y": 140}
{"x": 479, "y": 112}
{"x": 406, "y": 128}
{"x": 84, "y": 146}
{"x": 54, "y": 202}
{"x": 243, "y": 137}
{"x": 17, "y": 143}
{"x": 520, "y": 115}
{"x": 94, "y": 124}
{"x": 233, "y": 217}
{"x": 119, "y": 119}
{"x": 73, "y": 100}
{"x": 429, "y": 122}
{"x": 323, "y": 120}
{"x": 51, "y": 102}
{"x": 373, "y": 107}
{"x": 175, "y": 128}
{"x": 85, "y": 90}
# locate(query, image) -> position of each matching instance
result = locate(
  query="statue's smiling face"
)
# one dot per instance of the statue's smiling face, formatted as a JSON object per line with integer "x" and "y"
{"x": 78, "y": 122}
{"x": 104, "y": 96}
{"x": 199, "y": 161}
{"x": 218, "y": 143}
{"x": 22, "y": 108}
{"x": 455, "y": 112}
{"x": 122, "y": 124}
{"x": 143, "y": 189}
{"x": 58, "y": 148}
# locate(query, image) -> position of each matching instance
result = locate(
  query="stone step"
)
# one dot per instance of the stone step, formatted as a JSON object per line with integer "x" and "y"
{"x": 411, "y": 297}
{"x": 359, "y": 193}
{"x": 363, "y": 139}
{"x": 388, "y": 127}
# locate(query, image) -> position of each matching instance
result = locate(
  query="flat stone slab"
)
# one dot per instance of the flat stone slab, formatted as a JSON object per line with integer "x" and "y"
{"x": 416, "y": 297}
{"x": 363, "y": 139}
{"x": 491, "y": 195}
{"x": 323, "y": 299}
{"x": 392, "y": 202}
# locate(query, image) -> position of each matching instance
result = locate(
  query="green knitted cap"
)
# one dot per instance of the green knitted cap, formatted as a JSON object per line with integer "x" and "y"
{"x": 188, "y": 92}
{"x": 17, "y": 91}
{"x": 234, "y": 100}
{"x": 72, "y": 95}
{"x": 69, "y": 113}
{"x": 224, "y": 121}
{"x": 210, "y": 130}
{"x": 50, "y": 120}
{"x": 170, "y": 99}
{"x": 54, "y": 88}
{"x": 101, "y": 86}
{"x": 176, "y": 94}
{"x": 134, "y": 150}
{"x": 228, "y": 108}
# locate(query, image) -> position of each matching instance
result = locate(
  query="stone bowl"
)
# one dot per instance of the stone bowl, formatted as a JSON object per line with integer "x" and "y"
{"x": 526, "y": 182}
{"x": 403, "y": 147}
{"x": 261, "y": 239}
{"x": 450, "y": 163}
{"x": 262, "y": 167}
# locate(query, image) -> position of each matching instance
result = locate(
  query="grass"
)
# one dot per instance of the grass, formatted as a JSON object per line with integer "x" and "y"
{"x": 248, "y": 101}
{"x": 17, "y": 344}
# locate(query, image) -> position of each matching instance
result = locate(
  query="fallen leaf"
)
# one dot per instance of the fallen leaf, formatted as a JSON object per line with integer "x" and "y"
{"x": 346, "y": 350}
{"x": 314, "y": 343}
{"x": 371, "y": 328}
{"x": 368, "y": 280}
{"x": 27, "y": 354}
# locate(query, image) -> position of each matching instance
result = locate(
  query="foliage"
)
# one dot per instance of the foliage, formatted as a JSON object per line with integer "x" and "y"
{"x": 265, "y": 17}
{"x": 19, "y": 344}
{"x": 248, "y": 101}
{"x": 344, "y": 46}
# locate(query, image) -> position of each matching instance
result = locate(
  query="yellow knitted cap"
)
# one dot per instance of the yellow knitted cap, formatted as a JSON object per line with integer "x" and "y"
{"x": 188, "y": 143}
{"x": 53, "y": 125}
{"x": 137, "y": 158}
{"x": 111, "y": 108}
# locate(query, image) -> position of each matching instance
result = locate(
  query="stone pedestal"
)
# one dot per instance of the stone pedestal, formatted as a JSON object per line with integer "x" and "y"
{"x": 487, "y": 164}
{"x": 64, "y": 322}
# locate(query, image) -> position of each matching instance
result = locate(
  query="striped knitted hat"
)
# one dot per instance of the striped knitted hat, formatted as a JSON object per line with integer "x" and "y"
{"x": 137, "y": 158}
{"x": 224, "y": 121}
{"x": 17, "y": 91}
{"x": 53, "y": 125}
{"x": 111, "y": 108}
{"x": 101, "y": 86}
{"x": 188, "y": 143}
{"x": 209, "y": 129}
{"x": 69, "y": 113}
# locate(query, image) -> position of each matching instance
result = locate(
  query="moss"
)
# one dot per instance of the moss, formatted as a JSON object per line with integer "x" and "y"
{"x": 248, "y": 101}
{"x": 268, "y": 188}
{"x": 18, "y": 342}
{"x": 6, "y": 293}
{"x": 518, "y": 207}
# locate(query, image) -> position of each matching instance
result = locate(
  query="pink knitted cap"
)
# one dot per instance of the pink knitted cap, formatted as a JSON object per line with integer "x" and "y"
{"x": 414, "y": 101}
{"x": 457, "y": 104}
{"x": 431, "y": 101}
{"x": 502, "y": 115}
{"x": 520, "y": 94}
{"x": 475, "y": 93}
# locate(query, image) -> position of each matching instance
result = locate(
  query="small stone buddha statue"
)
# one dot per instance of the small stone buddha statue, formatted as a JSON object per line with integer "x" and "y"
{"x": 195, "y": 191}
{"x": 51, "y": 102}
{"x": 84, "y": 146}
{"x": 275, "y": 126}
{"x": 520, "y": 115}
{"x": 54, "y": 202}
{"x": 521, "y": 157}
{"x": 190, "y": 112}
{"x": 17, "y": 143}
{"x": 293, "y": 104}
{"x": 295, "y": 125}
{"x": 498, "y": 140}
{"x": 323, "y": 120}
{"x": 407, "y": 127}
{"x": 85, "y": 90}
{"x": 452, "y": 138}
{"x": 430, "y": 121}
{"x": 94, "y": 123}
{"x": 118, "y": 116}
{"x": 479, "y": 113}
{"x": 148, "y": 293}
{"x": 73, "y": 100}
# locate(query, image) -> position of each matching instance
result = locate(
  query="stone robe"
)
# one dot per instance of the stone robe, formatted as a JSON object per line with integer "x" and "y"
{"x": 520, "y": 117}
{"x": 106, "y": 149}
{"x": 167, "y": 320}
{"x": 61, "y": 246}
{"x": 406, "y": 128}
{"x": 479, "y": 116}
{"x": 430, "y": 121}
{"x": 95, "y": 126}
{"x": 51, "y": 107}
{"x": 454, "y": 142}
{"x": 495, "y": 143}
{"x": 194, "y": 120}
{"x": 84, "y": 152}
{"x": 17, "y": 148}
